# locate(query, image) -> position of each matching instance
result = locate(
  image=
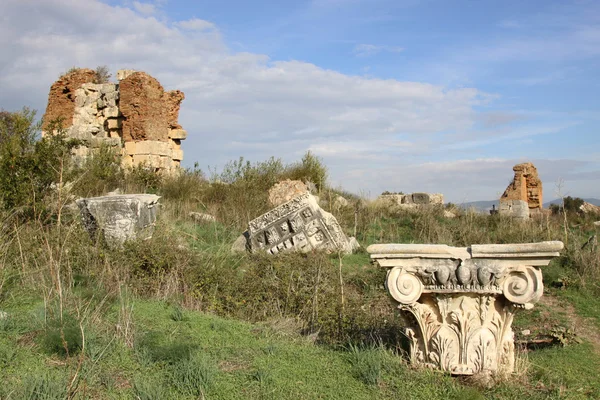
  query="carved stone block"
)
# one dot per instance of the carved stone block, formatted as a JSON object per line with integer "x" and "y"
{"x": 299, "y": 224}
{"x": 460, "y": 302}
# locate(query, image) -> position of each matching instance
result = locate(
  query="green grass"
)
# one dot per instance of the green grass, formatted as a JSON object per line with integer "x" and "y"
{"x": 206, "y": 355}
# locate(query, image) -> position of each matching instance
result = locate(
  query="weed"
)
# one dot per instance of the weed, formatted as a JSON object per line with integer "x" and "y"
{"x": 367, "y": 363}
{"x": 149, "y": 388}
{"x": 193, "y": 376}
{"x": 43, "y": 387}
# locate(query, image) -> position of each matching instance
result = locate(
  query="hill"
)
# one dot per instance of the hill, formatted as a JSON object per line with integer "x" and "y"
{"x": 486, "y": 205}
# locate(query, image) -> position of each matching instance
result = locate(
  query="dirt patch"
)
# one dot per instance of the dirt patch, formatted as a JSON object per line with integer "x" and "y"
{"x": 583, "y": 327}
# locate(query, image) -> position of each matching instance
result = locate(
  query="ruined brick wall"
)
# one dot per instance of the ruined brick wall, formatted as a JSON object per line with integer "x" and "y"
{"x": 61, "y": 99}
{"x": 136, "y": 116}
{"x": 526, "y": 186}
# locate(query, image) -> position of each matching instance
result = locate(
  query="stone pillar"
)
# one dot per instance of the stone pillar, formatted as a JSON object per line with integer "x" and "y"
{"x": 460, "y": 301}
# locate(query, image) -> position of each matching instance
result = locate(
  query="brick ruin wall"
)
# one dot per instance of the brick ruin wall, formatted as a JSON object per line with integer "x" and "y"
{"x": 526, "y": 186}
{"x": 135, "y": 116}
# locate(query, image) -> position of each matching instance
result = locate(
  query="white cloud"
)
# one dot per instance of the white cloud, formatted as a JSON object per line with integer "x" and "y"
{"x": 144, "y": 8}
{"x": 196, "y": 24}
{"x": 367, "y": 50}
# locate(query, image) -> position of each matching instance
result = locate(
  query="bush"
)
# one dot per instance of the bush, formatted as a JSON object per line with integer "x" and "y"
{"x": 29, "y": 167}
{"x": 102, "y": 74}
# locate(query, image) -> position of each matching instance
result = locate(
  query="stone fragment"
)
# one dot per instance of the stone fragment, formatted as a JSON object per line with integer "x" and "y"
{"x": 177, "y": 134}
{"x": 285, "y": 191}
{"x": 449, "y": 214}
{"x": 526, "y": 186}
{"x": 340, "y": 202}
{"x": 297, "y": 225}
{"x": 201, "y": 217}
{"x": 124, "y": 73}
{"x": 241, "y": 244}
{"x": 3, "y": 315}
{"x": 462, "y": 300}
{"x": 119, "y": 218}
{"x": 589, "y": 208}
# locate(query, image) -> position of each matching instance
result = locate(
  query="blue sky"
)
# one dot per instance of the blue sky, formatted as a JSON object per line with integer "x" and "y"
{"x": 395, "y": 95}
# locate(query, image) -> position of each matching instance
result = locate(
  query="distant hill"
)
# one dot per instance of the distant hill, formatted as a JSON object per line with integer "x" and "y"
{"x": 486, "y": 205}
{"x": 593, "y": 201}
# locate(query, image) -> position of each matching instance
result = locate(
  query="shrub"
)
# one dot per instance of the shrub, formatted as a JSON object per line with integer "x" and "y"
{"x": 29, "y": 167}
{"x": 102, "y": 74}
{"x": 311, "y": 168}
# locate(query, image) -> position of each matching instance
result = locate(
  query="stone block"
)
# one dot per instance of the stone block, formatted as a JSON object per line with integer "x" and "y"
{"x": 177, "y": 134}
{"x": 129, "y": 148}
{"x": 116, "y": 219}
{"x": 297, "y": 225}
{"x": 518, "y": 209}
{"x": 108, "y": 88}
{"x": 124, "y": 73}
{"x": 113, "y": 123}
{"x": 153, "y": 147}
{"x": 420, "y": 198}
{"x": 177, "y": 154}
{"x": 111, "y": 112}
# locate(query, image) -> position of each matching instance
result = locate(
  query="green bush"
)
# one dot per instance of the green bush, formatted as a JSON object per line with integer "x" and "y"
{"x": 29, "y": 167}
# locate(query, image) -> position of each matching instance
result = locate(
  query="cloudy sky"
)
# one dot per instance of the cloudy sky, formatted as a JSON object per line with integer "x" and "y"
{"x": 398, "y": 95}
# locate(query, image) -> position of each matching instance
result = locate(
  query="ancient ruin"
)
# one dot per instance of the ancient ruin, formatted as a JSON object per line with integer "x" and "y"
{"x": 298, "y": 225}
{"x": 461, "y": 301}
{"x": 135, "y": 116}
{"x": 412, "y": 200}
{"x": 523, "y": 196}
{"x": 118, "y": 218}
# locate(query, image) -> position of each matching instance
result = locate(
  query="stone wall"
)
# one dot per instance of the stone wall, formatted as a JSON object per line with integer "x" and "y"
{"x": 413, "y": 199}
{"x": 136, "y": 116}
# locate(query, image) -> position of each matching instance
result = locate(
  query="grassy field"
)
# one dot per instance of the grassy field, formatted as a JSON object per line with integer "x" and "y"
{"x": 180, "y": 316}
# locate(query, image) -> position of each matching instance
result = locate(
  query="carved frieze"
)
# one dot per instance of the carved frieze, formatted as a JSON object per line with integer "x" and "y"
{"x": 300, "y": 224}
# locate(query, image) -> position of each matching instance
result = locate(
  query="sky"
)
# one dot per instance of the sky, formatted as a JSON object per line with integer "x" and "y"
{"x": 399, "y": 95}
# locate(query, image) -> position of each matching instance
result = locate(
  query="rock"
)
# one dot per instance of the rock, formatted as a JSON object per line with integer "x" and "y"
{"x": 354, "y": 245}
{"x": 297, "y": 225}
{"x": 201, "y": 217}
{"x": 3, "y": 315}
{"x": 525, "y": 332}
{"x": 340, "y": 202}
{"x": 449, "y": 214}
{"x": 119, "y": 218}
{"x": 514, "y": 208}
{"x": 589, "y": 208}
{"x": 597, "y": 223}
{"x": 526, "y": 186}
{"x": 241, "y": 243}
{"x": 285, "y": 191}
{"x": 312, "y": 188}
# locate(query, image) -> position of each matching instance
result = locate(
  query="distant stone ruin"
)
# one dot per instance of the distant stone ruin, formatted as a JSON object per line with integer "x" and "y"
{"x": 412, "y": 200}
{"x": 135, "y": 116}
{"x": 523, "y": 196}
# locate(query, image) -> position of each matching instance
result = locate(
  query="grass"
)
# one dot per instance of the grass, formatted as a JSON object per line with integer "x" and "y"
{"x": 180, "y": 316}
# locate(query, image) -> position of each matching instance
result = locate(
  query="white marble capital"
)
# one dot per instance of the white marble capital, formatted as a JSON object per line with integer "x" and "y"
{"x": 462, "y": 300}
